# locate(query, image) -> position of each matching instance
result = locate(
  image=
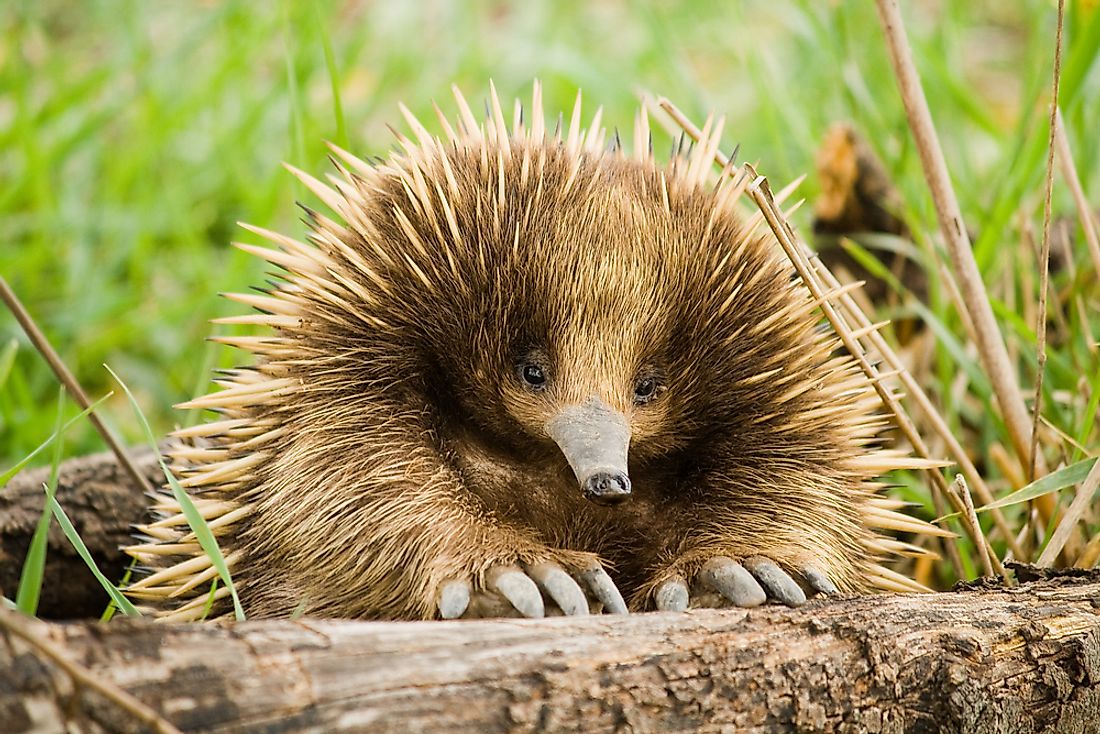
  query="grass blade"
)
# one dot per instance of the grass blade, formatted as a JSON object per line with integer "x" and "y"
{"x": 209, "y": 600}
{"x": 6, "y": 476}
{"x": 334, "y": 79}
{"x": 82, "y": 550}
{"x": 1073, "y": 514}
{"x": 109, "y": 612}
{"x": 34, "y": 564}
{"x": 1067, "y": 476}
{"x": 194, "y": 519}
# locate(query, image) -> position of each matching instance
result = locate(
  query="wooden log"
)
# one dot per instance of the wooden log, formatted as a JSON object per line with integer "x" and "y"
{"x": 103, "y": 503}
{"x": 1025, "y": 659}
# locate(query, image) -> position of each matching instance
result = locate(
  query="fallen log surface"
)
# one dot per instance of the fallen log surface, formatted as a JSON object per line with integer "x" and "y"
{"x": 1025, "y": 659}
{"x": 103, "y": 504}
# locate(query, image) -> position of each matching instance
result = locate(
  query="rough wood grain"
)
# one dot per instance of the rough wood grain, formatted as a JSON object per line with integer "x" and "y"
{"x": 103, "y": 503}
{"x": 1020, "y": 660}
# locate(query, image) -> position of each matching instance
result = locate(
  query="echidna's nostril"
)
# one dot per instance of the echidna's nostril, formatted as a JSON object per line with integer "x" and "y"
{"x": 607, "y": 488}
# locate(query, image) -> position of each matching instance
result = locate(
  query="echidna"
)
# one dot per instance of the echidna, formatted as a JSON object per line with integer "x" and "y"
{"x": 526, "y": 372}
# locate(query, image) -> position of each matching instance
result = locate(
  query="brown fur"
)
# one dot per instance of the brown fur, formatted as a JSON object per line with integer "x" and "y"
{"x": 385, "y": 444}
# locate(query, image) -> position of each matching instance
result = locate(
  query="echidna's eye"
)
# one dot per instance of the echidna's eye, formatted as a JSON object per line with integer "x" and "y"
{"x": 533, "y": 375}
{"x": 644, "y": 390}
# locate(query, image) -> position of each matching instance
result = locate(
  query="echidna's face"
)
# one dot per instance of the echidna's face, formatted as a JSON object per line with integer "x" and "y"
{"x": 571, "y": 343}
{"x": 588, "y": 408}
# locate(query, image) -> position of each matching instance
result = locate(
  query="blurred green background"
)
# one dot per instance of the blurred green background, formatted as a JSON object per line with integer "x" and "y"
{"x": 134, "y": 135}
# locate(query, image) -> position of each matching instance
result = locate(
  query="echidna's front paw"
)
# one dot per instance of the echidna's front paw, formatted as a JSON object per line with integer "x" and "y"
{"x": 531, "y": 591}
{"x": 722, "y": 581}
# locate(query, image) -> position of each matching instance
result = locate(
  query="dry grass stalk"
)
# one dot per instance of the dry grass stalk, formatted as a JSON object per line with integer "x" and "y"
{"x": 951, "y": 288}
{"x": 15, "y": 624}
{"x": 989, "y": 560}
{"x": 1061, "y": 326}
{"x": 1084, "y": 211}
{"x": 879, "y": 344}
{"x": 761, "y": 194}
{"x": 939, "y": 426}
{"x": 991, "y": 344}
{"x": 38, "y": 339}
{"x": 1006, "y": 465}
{"x": 1044, "y": 257}
{"x": 902, "y": 419}
{"x": 1072, "y": 516}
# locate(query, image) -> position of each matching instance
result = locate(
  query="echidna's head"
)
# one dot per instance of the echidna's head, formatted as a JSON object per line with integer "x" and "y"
{"x": 584, "y": 317}
{"x": 574, "y": 344}
{"x": 547, "y": 295}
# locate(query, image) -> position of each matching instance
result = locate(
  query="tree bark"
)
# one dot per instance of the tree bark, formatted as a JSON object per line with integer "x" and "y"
{"x": 981, "y": 660}
{"x": 103, "y": 504}
{"x": 988, "y": 660}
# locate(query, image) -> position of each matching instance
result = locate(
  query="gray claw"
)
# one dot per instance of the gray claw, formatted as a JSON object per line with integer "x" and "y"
{"x": 603, "y": 588}
{"x": 818, "y": 581}
{"x": 515, "y": 586}
{"x": 560, "y": 587}
{"x": 672, "y": 595}
{"x": 779, "y": 585}
{"x": 454, "y": 598}
{"x": 731, "y": 580}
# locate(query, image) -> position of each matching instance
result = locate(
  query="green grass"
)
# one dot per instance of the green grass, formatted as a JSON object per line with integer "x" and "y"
{"x": 34, "y": 564}
{"x": 134, "y": 135}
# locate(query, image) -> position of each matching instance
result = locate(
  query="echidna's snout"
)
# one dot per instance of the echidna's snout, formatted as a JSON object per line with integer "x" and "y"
{"x": 607, "y": 488}
{"x": 594, "y": 438}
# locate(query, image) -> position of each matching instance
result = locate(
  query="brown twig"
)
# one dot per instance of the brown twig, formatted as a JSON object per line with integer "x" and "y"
{"x": 38, "y": 339}
{"x": 991, "y": 344}
{"x": 21, "y": 627}
{"x": 1044, "y": 256}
